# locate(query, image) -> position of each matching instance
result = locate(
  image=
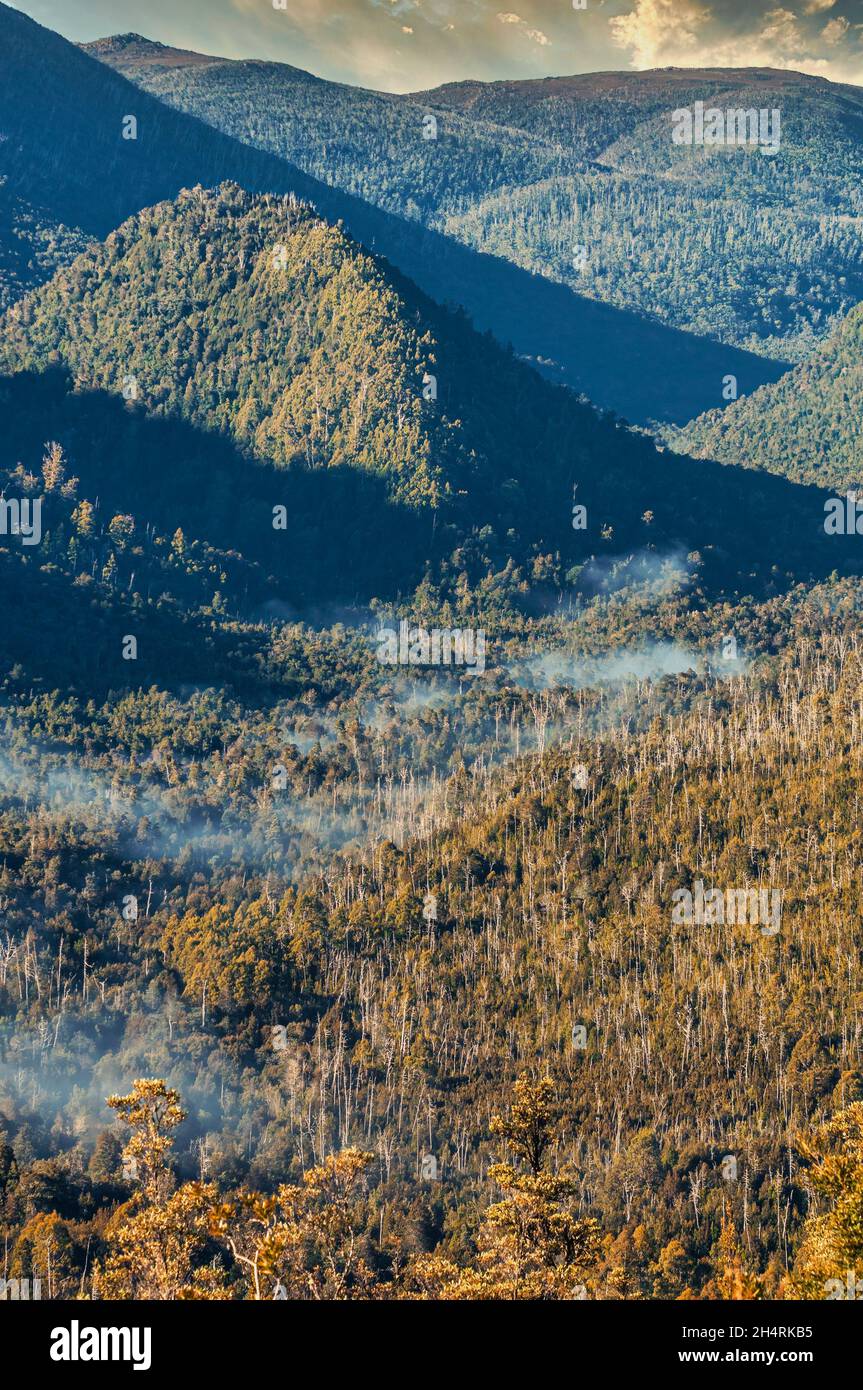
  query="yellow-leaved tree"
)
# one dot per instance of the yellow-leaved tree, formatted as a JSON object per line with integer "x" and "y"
{"x": 303, "y": 1242}
{"x": 531, "y": 1244}
{"x": 157, "y": 1242}
{"x": 829, "y": 1262}
{"x": 732, "y": 1279}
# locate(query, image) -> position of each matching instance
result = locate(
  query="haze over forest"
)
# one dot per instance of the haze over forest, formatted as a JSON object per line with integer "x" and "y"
{"x": 431, "y": 680}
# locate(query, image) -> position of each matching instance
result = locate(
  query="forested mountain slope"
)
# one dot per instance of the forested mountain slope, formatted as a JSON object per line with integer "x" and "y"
{"x": 93, "y": 178}
{"x": 397, "y": 439}
{"x": 90, "y": 149}
{"x": 623, "y": 361}
{"x": 552, "y": 947}
{"x": 760, "y": 252}
{"x": 368, "y": 143}
{"x": 807, "y": 426}
{"x": 342, "y": 903}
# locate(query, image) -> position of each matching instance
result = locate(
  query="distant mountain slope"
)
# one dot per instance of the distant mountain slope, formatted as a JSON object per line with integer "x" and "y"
{"x": 32, "y": 244}
{"x": 64, "y": 161}
{"x": 806, "y": 427}
{"x": 399, "y": 441}
{"x": 368, "y": 143}
{"x": 62, "y": 115}
{"x": 760, "y": 253}
{"x": 590, "y": 112}
{"x": 81, "y": 142}
{"x": 256, "y": 320}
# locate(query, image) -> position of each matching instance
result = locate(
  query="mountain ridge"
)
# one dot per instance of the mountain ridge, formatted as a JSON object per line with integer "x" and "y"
{"x": 542, "y": 169}
{"x": 805, "y": 427}
{"x": 253, "y": 319}
{"x": 105, "y": 179}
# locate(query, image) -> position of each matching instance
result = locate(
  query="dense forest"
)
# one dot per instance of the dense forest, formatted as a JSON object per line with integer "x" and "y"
{"x": 763, "y": 254}
{"x": 83, "y": 188}
{"x": 514, "y": 916}
{"x": 330, "y": 976}
{"x": 314, "y": 379}
{"x": 805, "y": 427}
{"x": 379, "y": 147}
{"x": 637, "y": 365}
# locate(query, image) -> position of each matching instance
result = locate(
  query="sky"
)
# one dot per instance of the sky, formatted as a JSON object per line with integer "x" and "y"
{"x": 409, "y": 45}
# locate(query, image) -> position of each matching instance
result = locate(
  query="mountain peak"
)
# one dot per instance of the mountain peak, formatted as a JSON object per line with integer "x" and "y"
{"x": 115, "y": 43}
{"x": 130, "y": 50}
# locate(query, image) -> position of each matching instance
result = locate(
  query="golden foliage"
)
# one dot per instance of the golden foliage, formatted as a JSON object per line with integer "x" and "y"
{"x": 530, "y": 1245}
{"x": 832, "y": 1244}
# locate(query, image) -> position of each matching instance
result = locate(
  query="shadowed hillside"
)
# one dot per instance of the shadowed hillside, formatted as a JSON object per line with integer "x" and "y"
{"x": 259, "y": 323}
{"x": 806, "y": 426}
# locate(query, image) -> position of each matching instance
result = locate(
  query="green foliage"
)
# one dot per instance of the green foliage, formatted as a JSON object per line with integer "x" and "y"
{"x": 805, "y": 427}
{"x": 760, "y": 253}
{"x": 360, "y": 916}
{"x": 831, "y": 1252}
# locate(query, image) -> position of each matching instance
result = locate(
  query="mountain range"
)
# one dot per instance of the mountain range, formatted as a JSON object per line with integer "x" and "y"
{"x": 399, "y": 442}
{"x": 54, "y": 195}
{"x": 578, "y": 179}
{"x": 289, "y": 371}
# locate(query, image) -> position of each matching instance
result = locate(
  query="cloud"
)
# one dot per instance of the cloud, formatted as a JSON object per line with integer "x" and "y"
{"x": 730, "y": 34}
{"x": 656, "y": 27}
{"x": 409, "y": 45}
{"x": 780, "y": 29}
{"x": 835, "y": 30}
{"x": 535, "y": 35}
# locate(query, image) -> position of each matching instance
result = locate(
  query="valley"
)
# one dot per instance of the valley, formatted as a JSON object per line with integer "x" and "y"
{"x": 430, "y": 685}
